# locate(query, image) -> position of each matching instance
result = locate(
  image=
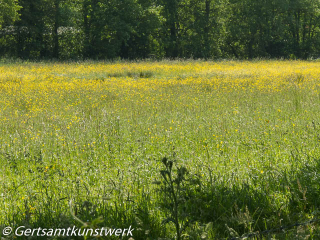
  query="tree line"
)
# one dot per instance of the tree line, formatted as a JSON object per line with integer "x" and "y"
{"x": 138, "y": 29}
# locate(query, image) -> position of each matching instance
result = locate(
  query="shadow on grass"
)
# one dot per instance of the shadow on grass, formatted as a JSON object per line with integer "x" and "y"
{"x": 220, "y": 208}
{"x": 211, "y": 208}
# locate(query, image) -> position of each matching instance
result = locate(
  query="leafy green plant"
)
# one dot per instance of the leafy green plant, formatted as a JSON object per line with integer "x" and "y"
{"x": 179, "y": 190}
{"x": 173, "y": 188}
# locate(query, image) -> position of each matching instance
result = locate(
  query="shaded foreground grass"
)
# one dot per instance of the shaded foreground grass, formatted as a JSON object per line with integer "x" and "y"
{"x": 87, "y": 141}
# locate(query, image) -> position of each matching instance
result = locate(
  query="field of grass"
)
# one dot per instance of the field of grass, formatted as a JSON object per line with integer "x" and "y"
{"x": 177, "y": 150}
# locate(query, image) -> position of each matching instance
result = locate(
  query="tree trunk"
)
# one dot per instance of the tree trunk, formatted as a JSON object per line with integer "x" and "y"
{"x": 55, "y": 29}
{"x": 86, "y": 27}
{"x": 172, "y": 11}
{"x": 206, "y": 30}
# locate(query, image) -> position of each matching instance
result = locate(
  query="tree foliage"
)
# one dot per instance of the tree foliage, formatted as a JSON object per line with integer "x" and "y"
{"x": 8, "y": 11}
{"x": 137, "y": 29}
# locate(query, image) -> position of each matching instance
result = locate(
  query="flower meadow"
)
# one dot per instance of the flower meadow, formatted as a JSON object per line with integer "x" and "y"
{"x": 85, "y": 144}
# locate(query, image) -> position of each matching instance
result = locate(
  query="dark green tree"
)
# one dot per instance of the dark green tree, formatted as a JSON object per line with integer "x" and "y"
{"x": 171, "y": 26}
{"x": 31, "y": 29}
{"x": 303, "y": 20}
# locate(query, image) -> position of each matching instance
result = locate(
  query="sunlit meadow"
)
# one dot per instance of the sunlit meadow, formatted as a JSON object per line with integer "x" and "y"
{"x": 86, "y": 140}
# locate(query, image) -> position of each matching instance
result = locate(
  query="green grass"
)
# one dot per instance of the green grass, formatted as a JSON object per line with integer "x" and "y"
{"x": 251, "y": 156}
